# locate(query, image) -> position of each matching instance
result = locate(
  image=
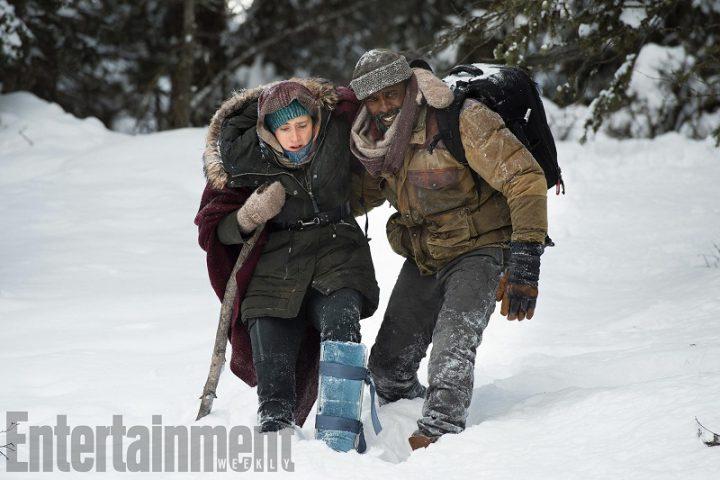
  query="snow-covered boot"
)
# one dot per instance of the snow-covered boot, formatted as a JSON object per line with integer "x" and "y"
{"x": 340, "y": 394}
{"x": 273, "y": 425}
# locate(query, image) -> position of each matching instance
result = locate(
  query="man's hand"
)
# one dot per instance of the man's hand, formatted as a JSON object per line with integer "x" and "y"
{"x": 264, "y": 204}
{"x": 518, "y": 288}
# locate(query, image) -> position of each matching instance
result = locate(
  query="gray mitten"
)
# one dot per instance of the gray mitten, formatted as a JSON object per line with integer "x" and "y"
{"x": 264, "y": 203}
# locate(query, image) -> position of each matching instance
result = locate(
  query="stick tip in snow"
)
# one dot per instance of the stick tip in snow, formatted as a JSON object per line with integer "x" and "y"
{"x": 708, "y": 437}
{"x": 205, "y": 405}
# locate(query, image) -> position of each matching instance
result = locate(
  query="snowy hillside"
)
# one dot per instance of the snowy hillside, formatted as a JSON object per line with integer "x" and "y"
{"x": 106, "y": 309}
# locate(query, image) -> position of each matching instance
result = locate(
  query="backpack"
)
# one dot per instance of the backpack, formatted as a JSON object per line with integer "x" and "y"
{"x": 511, "y": 93}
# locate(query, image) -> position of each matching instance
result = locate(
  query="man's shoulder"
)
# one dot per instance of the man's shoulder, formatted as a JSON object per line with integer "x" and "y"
{"x": 474, "y": 106}
{"x": 479, "y": 115}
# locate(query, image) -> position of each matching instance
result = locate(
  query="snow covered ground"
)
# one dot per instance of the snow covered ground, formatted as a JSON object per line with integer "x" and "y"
{"x": 105, "y": 309}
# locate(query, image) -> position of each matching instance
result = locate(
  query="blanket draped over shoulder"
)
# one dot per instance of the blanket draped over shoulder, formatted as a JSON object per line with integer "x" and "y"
{"x": 215, "y": 204}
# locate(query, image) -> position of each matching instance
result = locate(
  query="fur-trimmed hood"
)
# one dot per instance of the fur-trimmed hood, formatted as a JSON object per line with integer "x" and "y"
{"x": 215, "y": 173}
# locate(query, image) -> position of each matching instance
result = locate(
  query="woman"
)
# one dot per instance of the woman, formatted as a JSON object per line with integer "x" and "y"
{"x": 278, "y": 156}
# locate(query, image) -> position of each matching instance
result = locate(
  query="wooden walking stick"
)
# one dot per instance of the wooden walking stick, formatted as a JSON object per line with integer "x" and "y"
{"x": 221, "y": 337}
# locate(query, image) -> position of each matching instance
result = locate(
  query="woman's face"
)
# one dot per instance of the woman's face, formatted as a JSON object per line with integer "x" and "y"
{"x": 295, "y": 134}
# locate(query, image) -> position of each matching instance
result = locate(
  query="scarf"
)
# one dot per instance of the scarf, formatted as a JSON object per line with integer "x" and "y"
{"x": 298, "y": 157}
{"x": 386, "y": 154}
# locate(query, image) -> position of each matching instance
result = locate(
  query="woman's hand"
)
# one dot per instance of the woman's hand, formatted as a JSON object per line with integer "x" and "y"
{"x": 264, "y": 204}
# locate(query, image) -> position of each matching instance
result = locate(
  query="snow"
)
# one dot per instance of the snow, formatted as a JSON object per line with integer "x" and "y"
{"x": 586, "y": 29}
{"x": 633, "y": 16}
{"x": 566, "y": 123}
{"x": 106, "y": 309}
{"x": 645, "y": 83}
{"x": 488, "y": 70}
{"x": 656, "y": 104}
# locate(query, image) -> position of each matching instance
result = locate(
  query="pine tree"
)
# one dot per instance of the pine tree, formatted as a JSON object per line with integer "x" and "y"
{"x": 586, "y": 51}
{"x": 13, "y": 32}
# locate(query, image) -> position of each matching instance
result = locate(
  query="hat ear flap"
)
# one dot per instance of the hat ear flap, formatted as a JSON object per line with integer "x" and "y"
{"x": 436, "y": 92}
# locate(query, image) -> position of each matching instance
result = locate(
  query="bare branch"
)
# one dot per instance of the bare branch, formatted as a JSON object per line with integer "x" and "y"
{"x": 22, "y": 134}
{"x": 258, "y": 48}
{"x": 10, "y": 447}
{"x": 13, "y": 426}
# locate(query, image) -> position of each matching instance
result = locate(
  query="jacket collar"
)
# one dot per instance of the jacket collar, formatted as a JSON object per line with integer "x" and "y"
{"x": 418, "y": 135}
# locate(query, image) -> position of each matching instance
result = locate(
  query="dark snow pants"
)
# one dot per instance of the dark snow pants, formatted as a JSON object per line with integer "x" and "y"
{"x": 450, "y": 309}
{"x": 276, "y": 344}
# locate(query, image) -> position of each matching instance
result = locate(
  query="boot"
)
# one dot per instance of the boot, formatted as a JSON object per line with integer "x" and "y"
{"x": 418, "y": 440}
{"x": 274, "y": 425}
{"x": 418, "y": 390}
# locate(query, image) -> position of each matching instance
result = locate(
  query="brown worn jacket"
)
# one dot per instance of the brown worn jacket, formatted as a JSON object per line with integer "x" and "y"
{"x": 441, "y": 214}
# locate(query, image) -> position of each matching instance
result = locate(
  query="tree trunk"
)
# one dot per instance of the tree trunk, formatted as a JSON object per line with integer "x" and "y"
{"x": 183, "y": 75}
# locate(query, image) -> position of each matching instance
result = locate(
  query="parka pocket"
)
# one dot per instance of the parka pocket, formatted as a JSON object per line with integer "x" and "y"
{"x": 435, "y": 191}
{"x": 398, "y": 237}
{"x": 351, "y": 231}
{"x": 449, "y": 234}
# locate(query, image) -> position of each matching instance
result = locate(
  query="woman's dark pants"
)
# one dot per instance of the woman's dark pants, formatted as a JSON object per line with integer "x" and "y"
{"x": 276, "y": 344}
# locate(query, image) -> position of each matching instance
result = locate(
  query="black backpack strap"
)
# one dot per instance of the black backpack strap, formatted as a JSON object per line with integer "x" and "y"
{"x": 448, "y": 120}
{"x": 420, "y": 63}
{"x": 465, "y": 68}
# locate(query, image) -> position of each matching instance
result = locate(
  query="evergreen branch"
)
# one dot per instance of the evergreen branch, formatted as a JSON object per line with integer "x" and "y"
{"x": 496, "y": 15}
{"x": 609, "y": 99}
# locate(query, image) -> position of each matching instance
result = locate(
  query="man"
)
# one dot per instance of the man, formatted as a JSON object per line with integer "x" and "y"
{"x": 453, "y": 224}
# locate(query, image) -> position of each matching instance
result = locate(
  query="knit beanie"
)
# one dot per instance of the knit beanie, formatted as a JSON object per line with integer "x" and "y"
{"x": 278, "y": 118}
{"x": 378, "y": 69}
{"x": 281, "y": 95}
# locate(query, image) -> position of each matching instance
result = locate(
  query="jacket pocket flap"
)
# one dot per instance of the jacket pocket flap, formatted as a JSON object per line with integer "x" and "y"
{"x": 436, "y": 178}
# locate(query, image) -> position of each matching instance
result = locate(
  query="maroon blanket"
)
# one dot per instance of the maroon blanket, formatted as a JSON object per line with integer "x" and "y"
{"x": 347, "y": 106}
{"x": 215, "y": 204}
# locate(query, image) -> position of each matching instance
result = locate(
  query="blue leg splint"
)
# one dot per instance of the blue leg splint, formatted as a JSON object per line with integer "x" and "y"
{"x": 340, "y": 393}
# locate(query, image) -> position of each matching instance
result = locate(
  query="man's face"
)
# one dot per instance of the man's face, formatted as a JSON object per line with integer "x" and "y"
{"x": 385, "y": 104}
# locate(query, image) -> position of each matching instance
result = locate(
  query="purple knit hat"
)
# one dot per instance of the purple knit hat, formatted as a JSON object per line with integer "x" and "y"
{"x": 281, "y": 94}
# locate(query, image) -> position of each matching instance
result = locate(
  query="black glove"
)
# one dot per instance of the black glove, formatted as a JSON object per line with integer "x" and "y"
{"x": 518, "y": 288}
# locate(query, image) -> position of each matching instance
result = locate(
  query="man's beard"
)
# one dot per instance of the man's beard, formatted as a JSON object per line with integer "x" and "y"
{"x": 379, "y": 123}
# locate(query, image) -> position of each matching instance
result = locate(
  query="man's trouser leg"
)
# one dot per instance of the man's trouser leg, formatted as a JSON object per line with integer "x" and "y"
{"x": 404, "y": 335}
{"x": 468, "y": 287}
